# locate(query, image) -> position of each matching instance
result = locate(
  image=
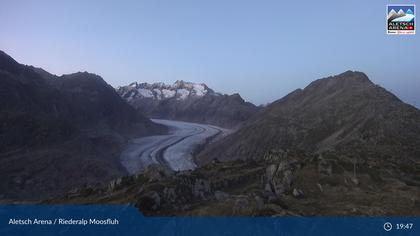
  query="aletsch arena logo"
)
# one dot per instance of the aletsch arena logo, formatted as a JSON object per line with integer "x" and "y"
{"x": 401, "y": 19}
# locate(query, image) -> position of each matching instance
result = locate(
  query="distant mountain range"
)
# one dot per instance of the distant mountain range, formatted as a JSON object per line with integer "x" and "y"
{"x": 180, "y": 90}
{"x": 187, "y": 101}
{"x": 59, "y": 132}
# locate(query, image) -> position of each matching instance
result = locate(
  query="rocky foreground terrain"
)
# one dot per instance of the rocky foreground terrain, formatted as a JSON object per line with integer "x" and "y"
{"x": 341, "y": 146}
{"x": 279, "y": 184}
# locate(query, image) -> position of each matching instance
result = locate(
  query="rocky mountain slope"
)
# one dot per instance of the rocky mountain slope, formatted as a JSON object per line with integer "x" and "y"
{"x": 341, "y": 146}
{"x": 187, "y": 102}
{"x": 60, "y": 132}
{"x": 346, "y": 113}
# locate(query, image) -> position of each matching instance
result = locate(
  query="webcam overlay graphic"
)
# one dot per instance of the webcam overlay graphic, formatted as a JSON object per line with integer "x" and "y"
{"x": 401, "y": 19}
{"x": 127, "y": 220}
{"x": 208, "y": 118}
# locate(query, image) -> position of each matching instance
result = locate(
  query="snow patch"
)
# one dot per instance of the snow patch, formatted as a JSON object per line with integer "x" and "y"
{"x": 145, "y": 93}
{"x": 168, "y": 93}
{"x": 199, "y": 90}
{"x": 133, "y": 85}
{"x": 182, "y": 94}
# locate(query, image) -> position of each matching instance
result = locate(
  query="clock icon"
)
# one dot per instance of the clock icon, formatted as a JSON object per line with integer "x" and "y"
{"x": 387, "y": 226}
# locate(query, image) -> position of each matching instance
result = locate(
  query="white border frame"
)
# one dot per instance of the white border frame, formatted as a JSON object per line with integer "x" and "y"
{"x": 401, "y": 32}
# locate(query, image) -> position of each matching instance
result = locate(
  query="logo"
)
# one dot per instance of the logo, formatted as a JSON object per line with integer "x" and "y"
{"x": 401, "y": 19}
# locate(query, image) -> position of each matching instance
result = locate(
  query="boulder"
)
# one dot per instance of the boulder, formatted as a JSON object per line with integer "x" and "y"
{"x": 324, "y": 166}
{"x": 278, "y": 178}
{"x": 200, "y": 188}
{"x": 297, "y": 193}
{"x": 169, "y": 195}
{"x": 241, "y": 204}
{"x": 259, "y": 202}
{"x": 354, "y": 180}
{"x": 270, "y": 171}
{"x": 149, "y": 201}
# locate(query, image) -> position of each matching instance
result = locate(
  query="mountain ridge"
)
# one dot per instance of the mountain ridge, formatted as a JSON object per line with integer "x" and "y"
{"x": 60, "y": 132}
{"x": 187, "y": 101}
{"x": 344, "y": 102}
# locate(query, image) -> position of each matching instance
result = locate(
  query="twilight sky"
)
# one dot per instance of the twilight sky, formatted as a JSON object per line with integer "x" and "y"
{"x": 261, "y": 49}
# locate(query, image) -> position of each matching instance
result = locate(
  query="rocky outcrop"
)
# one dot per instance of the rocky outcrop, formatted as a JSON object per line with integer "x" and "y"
{"x": 278, "y": 176}
{"x": 278, "y": 179}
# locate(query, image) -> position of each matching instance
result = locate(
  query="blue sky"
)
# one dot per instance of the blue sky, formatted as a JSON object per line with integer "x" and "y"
{"x": 260, "y": 49}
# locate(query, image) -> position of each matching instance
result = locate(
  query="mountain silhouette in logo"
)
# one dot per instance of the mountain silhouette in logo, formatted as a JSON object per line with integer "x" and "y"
{"x": 409, "y": 11}
{"x": 392, "y": 13}
{"x": 400, "y": 16}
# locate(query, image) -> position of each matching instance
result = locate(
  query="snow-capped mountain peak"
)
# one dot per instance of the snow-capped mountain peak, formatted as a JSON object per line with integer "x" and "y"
{"x": 180, "y": 90}
{"x": 409, "y": 11}
{"x": 134, "y": 84}
{"x": 392, "y": 13}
